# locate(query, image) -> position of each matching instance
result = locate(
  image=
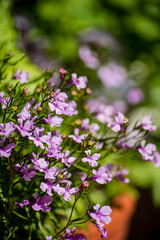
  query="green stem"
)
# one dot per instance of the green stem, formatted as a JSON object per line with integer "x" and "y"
{"x": 69, "y": 220}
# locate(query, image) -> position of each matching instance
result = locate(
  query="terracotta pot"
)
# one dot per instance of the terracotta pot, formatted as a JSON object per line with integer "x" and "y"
{"x": 123, "y": 208}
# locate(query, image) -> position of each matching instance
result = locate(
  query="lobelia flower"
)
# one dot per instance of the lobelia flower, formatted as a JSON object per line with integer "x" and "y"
{"x": 80, "y": 82}
{"x": 26, "y": 128}
{"x": 40, "y": 164}
{"x": 103, "y": 111}
{"x": 68, "y": 161}
{"x": 147, "y": 124}
{"x": 52, "y": 141}
{"x": 36, "y": 137}
{"x": 119, "y": 106}
{"x": 134, "y": 96}
{"x": 47, "y": 187}
{"x": 156, "y": 159}
{"x": 69, "y": 235}
{"x": 101, "y": 215}
{"x": 70, "y": 109}
{"x": 102, "y": 230}
{"x": 88, "y": 57}
{"x": 54, "y": 148}
{"x": 85, "y": 124}
{"x": 5, "y": 151}
{"x": 7, "y": 128}
{"x": 23, "y": 77}
{"x": 120, "y": 174}
{"x": 54, "y": 81}
{"x": 4, "y": 101}
{"x": 77, "y": 138}
{"x": 92, "y": 160}
{"x": 112, "y": 75}
{"x": 58, "y": 103}
{"x": 101, "y": 176}
{"x": 25, "y": 202}
{"x": 118, "y": 124}
{"x": 49, "y": 237}
{"x": 25, "y": 113}
{"x": 51, "y": 173}
{"x": 94, "y": 127}
{"x": 147, "y": 151}
{"x": 53, "y": 121}
{"x": 42, "y": 204}
{"x": 66, "y": 192}
{"x": 26, "y": 171}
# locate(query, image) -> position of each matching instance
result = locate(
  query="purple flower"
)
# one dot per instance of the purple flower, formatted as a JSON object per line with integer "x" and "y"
{"x": 54, "y": 121}
{"x": 156, "y": 159}
{"x": 4, "y": 101}
{"x": 42, "y": 204}
{"x": 147, "y": 124}
{"x": 25, "y": 113}
{"x": 112, "y": 75}
{"x": 66, "y": 192}
{"x": 120, "y": 174}
{"x": 94, "y": 127}
{"x": 147, "y": 151}
{"x": 92, "y": 160}
{"x": 69, "y": 235}
{"x": 26, "y": 171}
{"x": 101, "y": 176}
{"x": 36, "y": 138}
{"x": 77, "y": 138}
{"x": 68, "y": 161}
{"x": 49, "y": 237}
{"x": 118, "y": 124}
{"x": 7, "y": 128}
{"x": 119, "y": 106}
{"x": 23, "y": 77}
{"x": 40, "y": 164}
{"x": 70, "y": 109}
{"x": 47, "y": 187}
{"x": 54, "y": 81}
{"x": 101, "y": 215}
{"x": 134, "y": 96}
{"x": 25, "y": 128}
{"x": 51, "y": 173}
{"x": 88, "y": 57}
{"x": 58, "y": 103}
{"x": 85, "y": 124}
{"x": 103, "y": 111}
{"x": 25, "y": 202}
{"x": 102, "y": 230}
{"x": 80, "y": 82}
{"x": 5, "y": 151}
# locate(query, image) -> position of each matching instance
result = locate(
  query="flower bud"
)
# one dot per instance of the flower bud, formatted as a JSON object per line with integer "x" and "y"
{"x": 39, "y": 108}
{"x": 53, "y": 94}
{"x": 88, "y": 91}
{"x": 90, "y": 143}
{"x": 84, "y": 184}
{"x": 78, "y": 121}
{"x": 25, "y": 90}
{"x": 38, "y": 90}
{"x": 74, "y": 93}
{"x": 14, "y": 108}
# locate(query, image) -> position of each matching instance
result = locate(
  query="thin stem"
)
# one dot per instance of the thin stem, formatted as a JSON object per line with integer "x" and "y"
{"x": 69, "y": 220}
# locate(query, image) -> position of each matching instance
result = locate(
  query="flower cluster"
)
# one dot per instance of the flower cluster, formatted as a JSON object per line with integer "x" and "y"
{"x": 53, "y": 149}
